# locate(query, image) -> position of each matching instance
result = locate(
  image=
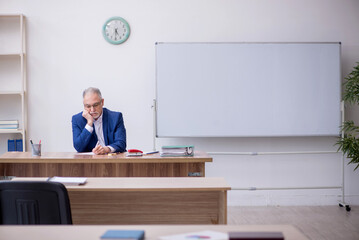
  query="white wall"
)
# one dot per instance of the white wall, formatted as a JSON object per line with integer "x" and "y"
{"x": 67, "y": 53}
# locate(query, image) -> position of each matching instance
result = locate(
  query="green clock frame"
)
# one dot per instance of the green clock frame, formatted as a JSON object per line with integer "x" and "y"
{"x": 124, "y": 39}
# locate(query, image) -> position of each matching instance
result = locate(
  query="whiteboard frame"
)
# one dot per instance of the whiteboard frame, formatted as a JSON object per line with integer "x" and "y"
{"x": 155, "y": 102}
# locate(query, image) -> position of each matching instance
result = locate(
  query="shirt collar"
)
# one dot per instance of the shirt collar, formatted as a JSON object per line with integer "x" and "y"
{"x": 99, "y": 119}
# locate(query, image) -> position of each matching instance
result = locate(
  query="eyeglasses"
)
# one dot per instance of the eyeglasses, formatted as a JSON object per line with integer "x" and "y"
{"x": 88, "y": 106}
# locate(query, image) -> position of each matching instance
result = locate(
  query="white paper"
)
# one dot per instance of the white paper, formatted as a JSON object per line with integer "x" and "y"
{"x": 85, "y": 153}
{"x": 203, "y": 235}
{"x": 69, "y": 180}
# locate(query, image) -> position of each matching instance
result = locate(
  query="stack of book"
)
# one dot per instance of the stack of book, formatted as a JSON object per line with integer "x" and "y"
{"x": 177, "y": 151}
{"x": 14, "y": 145}
{"x": 9, "y": 124}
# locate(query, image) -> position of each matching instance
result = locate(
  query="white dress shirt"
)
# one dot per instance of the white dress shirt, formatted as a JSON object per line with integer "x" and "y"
{"x": 99, "y": 132}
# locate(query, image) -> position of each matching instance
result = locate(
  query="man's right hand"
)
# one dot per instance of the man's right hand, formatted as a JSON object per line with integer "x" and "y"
{"x": 88, "y": 117}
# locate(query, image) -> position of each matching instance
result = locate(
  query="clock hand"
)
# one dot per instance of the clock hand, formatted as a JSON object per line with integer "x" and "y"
{"x": 116, "y": 33}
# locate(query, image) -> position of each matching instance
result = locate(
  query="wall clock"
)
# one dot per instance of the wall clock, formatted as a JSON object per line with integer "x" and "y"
{"x": 116, "y": 30}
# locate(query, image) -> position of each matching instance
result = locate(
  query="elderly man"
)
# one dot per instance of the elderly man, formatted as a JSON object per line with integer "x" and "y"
{"x": 97, "y": 129}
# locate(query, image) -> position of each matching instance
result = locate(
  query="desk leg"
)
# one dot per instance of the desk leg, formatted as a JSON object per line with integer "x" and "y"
{"x": 222, "y": 207}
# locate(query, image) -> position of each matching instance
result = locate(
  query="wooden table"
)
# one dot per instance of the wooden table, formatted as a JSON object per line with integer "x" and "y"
{"x": 22, "y": 164}
{"x": 152, "y": 232}
{"x": 152, "y": 200}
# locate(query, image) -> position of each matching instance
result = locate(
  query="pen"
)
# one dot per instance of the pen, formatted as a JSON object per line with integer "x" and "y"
{"x": 151, "y": 152}
{"x": 31, "y": 141}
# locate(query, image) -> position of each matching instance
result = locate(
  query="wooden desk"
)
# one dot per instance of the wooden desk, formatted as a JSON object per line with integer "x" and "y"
{"x": 148, "y": 200}
{"x": 22, "y": 164}
{"x": 152, "y": 232}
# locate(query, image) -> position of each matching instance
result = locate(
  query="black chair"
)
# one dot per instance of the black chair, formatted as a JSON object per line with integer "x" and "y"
{"x": 28, "y": 202}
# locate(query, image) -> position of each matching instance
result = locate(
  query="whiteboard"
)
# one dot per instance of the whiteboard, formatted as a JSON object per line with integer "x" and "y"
{"x": 247, "y": 89}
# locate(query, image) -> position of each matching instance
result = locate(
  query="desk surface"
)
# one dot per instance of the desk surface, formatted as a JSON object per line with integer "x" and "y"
{"x": 72, "y": 157}
{"x": 152, "y": 232}
{"x": 146, "y": 184}
{"x": 152, "y": 200}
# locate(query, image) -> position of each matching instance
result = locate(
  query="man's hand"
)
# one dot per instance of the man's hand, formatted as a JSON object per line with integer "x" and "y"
{"x": 100, "y": 150}
{"x": 88, "y": 117}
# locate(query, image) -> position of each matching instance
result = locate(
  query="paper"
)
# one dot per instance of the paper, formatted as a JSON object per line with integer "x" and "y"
{"x": 86, "y": 153}
{"x": 203, "y": 235}
{"x": 69, "y": 180}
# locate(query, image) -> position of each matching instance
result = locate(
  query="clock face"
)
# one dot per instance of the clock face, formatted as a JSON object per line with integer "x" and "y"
{"x": 116, "y": 30}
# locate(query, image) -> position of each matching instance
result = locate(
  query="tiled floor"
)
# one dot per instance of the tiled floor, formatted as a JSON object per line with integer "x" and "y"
{"x": 316, "y": 222}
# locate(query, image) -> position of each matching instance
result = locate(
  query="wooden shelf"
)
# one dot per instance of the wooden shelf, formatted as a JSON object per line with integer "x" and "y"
{"x": 11, "y": 15}
{"x": 11, "y": 131}
{"x": 13, "y": 52}
{"x": 11, "y": 92}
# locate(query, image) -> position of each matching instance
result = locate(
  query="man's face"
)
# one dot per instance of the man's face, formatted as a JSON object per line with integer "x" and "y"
{"x": 93, "y": 104}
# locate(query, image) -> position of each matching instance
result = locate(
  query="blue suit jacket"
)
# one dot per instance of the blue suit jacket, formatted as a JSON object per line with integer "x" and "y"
{"x": 114, "y": 132}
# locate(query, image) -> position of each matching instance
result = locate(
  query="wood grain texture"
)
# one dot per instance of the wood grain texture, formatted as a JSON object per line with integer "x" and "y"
{"x": 101, "y": 169}
{"x": 106, "y": 207}
{"x": 222, "y": 206}
{"x": 149, "y": 200}
{"x": 22, "y": 164}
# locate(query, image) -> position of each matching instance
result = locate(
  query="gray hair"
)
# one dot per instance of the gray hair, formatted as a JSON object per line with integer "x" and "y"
{"x": 92, "y": 90}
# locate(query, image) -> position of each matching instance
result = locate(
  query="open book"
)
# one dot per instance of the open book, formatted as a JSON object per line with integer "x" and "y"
{"x": 203, "y": 235}
{"x": 69, "y": 181}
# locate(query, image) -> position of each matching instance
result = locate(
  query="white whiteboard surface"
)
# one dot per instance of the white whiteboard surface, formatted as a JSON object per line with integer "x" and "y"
{"x": 247, "y": 89}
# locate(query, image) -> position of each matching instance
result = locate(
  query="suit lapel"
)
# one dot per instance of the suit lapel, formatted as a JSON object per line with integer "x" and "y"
{"x": 105, "y": 125}
{"x": 94, "y": 133}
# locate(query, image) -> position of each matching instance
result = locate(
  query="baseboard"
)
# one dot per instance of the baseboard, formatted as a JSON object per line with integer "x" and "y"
{"x": 289, "y": 198}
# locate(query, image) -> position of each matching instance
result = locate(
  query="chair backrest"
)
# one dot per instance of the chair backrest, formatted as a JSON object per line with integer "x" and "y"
{"x": 32, "y": 202}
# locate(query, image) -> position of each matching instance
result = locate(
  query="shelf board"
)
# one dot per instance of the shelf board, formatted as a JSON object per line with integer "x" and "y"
{"x": 11, "y": 131}
{"x": 12, "y": 54}
{"x": 11, "y": 92}
{"x": 11, "y": 15}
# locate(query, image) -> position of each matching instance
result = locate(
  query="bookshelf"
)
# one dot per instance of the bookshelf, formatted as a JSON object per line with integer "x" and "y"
{"x": 13, "y": 77}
